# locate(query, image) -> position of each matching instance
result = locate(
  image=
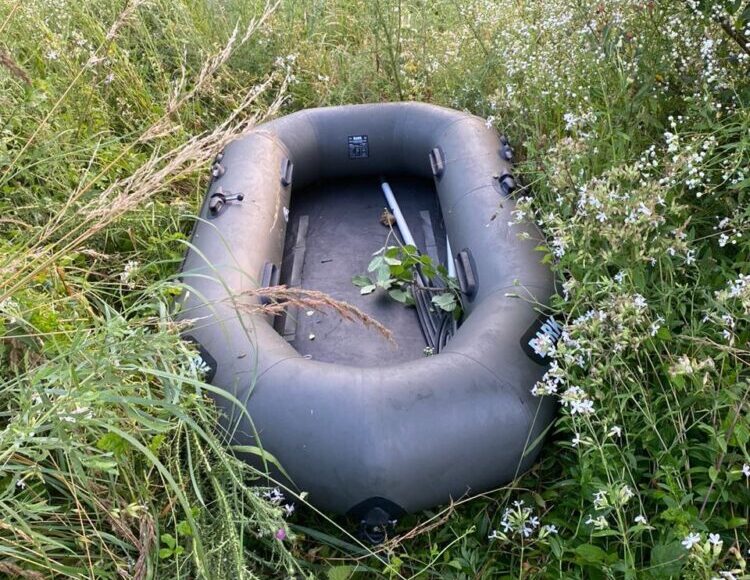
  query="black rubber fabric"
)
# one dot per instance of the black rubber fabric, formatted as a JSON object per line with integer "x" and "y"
{"x": 354, "y": 422}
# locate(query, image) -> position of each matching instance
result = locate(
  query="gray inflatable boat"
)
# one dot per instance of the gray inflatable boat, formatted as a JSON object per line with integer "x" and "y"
{"x": 367, "y": 429}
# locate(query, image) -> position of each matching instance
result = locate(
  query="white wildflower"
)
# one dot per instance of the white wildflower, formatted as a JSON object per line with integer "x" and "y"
{"x": 582, "y": 407}
{"x": 615, "y": 431}
{"x": 599, "y": 523}
{"x": 543, "y": 345}
{"x": 626, "y": 494}
{"x": 656, "y": 325}
{"x": 691, "y": 540}
{"x": 126, "y": 276}
{"x": 274, "y": 496}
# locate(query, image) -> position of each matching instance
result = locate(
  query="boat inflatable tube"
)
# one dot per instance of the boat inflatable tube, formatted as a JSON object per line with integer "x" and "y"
{"x": 392, "y": 438}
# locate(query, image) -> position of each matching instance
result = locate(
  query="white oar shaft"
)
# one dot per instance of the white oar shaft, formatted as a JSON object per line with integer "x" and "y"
{"x": 403, "y": 228}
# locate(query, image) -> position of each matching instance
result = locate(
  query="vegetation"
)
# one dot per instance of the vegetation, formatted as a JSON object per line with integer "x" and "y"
{"x": 631, "y": 122}
{"x": 395, "y": 269}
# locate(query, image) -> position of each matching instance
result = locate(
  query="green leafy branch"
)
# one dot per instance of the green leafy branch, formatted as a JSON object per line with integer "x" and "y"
{"x": 394, "y": 269}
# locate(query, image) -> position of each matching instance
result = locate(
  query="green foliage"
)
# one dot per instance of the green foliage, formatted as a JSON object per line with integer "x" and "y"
{"x": 112, "y": 464}
{"x": 395, "y": 269}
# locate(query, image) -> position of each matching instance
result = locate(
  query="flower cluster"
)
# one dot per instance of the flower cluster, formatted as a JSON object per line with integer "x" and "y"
{"x": 127, "y": 276}
{"x": 275, "y": 497}
{"x": 521, "y": 521}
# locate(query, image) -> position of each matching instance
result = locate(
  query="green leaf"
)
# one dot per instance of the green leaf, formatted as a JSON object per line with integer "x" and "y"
{"x": 384, "y": 279}
{"x": 112, "y": 442}
{"x": 446, "y": 302}
{"x": 376, "y": 263}
{"x": 663, "y": 333}
{"x": 667, "y": 559}
{"x": 392, "y": 261}
{"x": 590, "y": 553}
{"x": 360, "y": 280}
{"x": 156, "y": 443}
{"x": 184, "y": 529}
{"x": 369, "y": 289}
{"x": 398, "y": 295}
{"x": 100, "y": 464}
{"x": 340, "y": 572}
{"x": 169, "y": 540}
{"x": 165, "y": 553}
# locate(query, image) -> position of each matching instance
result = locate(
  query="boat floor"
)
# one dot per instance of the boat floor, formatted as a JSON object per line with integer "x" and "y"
{"x": 334, "y": 228}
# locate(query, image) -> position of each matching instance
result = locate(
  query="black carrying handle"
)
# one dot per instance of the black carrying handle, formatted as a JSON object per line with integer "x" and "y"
{"x": 507, "y": 183}
{"x": 465, "y": 272}
{"x": 437, "y": 162}
{"x": 287, "y": 167}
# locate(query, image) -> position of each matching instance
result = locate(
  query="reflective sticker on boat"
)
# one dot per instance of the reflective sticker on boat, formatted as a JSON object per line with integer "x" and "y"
{"x": 358, "y": 147}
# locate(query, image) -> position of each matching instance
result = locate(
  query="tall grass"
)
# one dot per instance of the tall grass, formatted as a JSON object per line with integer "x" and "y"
{"x": 110, "y": 462}
{"x": 632, "y": 134}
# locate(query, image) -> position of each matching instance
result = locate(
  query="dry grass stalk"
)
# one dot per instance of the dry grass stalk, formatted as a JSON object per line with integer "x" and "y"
{"x": 123, "y": 18}
{"x": 11, "y": 570}
{"x": 146, "y": 543}
{"x": 283, "y": 297}
{"x": 164, "y": 125}
{"x": 151, "y": 178}
{"x": 207, "y": 72}
{"x": 7, "y": 61}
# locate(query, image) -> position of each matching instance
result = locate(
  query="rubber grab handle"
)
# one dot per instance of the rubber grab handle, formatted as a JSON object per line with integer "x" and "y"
{"x": 287, "y": 167}
{"x": 467, "y": 279}
{"x": 269, "y": 277}
{"x": 437, "y": 162}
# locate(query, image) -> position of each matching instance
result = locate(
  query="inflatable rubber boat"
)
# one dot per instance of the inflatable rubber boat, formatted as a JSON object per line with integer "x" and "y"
{"x": 366, "y": 428}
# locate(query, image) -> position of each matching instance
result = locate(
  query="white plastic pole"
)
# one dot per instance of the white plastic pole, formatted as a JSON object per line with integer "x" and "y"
{"x": 451, "y": 263}
{"x": 400, "y": 221}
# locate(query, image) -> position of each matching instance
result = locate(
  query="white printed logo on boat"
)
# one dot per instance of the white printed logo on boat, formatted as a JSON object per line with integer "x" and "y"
{"x": 539, "y": 341}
